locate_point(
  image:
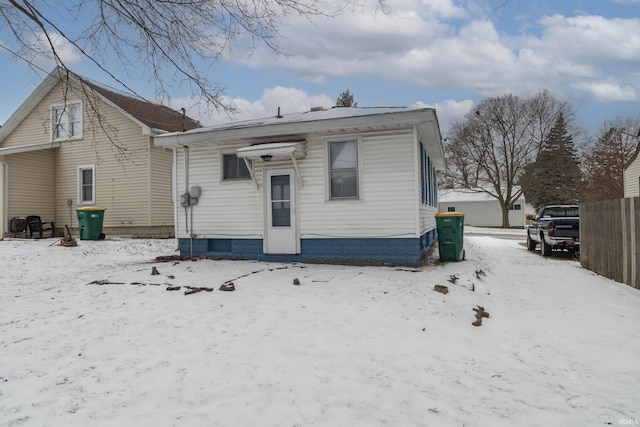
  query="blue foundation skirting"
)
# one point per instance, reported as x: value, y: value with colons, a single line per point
x: 369, y: 251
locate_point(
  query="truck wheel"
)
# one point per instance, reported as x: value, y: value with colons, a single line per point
x: 531, y: 244
x: 546, y: 248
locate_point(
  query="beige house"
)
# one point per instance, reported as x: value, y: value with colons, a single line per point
x: 74, y: 143
x: 632, y: 176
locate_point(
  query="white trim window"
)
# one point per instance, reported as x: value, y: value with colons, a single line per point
x: 234, y: 167
x: 343, y: 170
x: 66, y: 121
x: 86, y: 185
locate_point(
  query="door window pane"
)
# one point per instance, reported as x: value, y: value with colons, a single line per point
x: 280, y: 201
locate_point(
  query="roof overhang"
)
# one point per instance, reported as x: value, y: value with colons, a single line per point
x: 316, y: 122
x: 27, y: 148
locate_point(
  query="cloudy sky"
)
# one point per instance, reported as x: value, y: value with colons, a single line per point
x: 448, y: 54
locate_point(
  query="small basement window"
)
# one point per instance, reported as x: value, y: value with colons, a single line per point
x: 451, y: 209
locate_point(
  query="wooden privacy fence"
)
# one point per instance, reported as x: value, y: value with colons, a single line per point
x: 609, y: 239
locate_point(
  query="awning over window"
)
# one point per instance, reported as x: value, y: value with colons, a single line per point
x: 273, y: 151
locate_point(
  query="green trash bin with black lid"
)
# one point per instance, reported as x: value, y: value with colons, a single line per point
x: 90, y: 220
x: 450, y: 227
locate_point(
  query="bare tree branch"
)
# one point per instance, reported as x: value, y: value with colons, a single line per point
x: 490, y: 150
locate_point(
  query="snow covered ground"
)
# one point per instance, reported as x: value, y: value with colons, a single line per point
x: 349, y: 346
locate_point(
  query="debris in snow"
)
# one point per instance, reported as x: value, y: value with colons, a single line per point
x: 171, y: 276
x: 228, y: 287
x: 296, y: 282
x: 453, y: 279
x: 169, y: 258
x: 104, y: 282
x: 68, y: 240
x: 192, y: 290
x: 441, y: 288
x: 173, y: 288
x: 154, y: 271
x: 480, y: 313
x: 479, y: 273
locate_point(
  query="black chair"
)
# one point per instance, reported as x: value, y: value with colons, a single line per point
x: 35, y: 225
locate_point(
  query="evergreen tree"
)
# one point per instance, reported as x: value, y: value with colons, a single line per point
x: 491, y: 148
x: 346, y: 100
x: 556, y: 177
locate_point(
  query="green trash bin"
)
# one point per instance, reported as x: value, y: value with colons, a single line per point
x: 450, y: 226
x: 90, y: 221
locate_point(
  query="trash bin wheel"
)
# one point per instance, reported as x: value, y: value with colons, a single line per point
x: 101, y: 236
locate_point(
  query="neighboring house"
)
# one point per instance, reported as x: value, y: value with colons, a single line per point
x: 343, y: 185
x: 76, y: 143
x: 632, y: 176
x: 482, y: 210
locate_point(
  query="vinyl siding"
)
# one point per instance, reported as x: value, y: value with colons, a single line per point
x: 632, y: 179
x: 386, y: 207
x: 160, y: 181
x: 229, y: 208
x: 386, y: 204
x: 122, y: 185
x: 36, y: 127
x: 30, y: 187
x: 135, y: 190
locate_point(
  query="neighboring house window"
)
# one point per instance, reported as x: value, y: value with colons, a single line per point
x: 66, y: 121
x: 234, y: 167
x: 86, y: 185
x: 343, y: 169
x: 516, y: 207
x: 451, y: 209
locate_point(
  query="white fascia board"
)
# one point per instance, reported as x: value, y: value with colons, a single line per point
x: 209, y: 135
x: 27, y: 148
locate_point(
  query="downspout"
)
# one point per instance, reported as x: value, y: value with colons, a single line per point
x: 174, y: 189
x: 188, y: 216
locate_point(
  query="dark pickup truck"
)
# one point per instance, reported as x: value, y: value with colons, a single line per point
x: 555, y: 227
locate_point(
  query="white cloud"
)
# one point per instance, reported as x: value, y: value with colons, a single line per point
x: 607, y: 92
x: 292, y: 100
x: 289, y: 100
x: 449, y: 111
x: 438, y: 44
x: 41, y: 52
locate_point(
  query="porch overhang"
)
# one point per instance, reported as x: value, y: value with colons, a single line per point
x: 273, y: 150
x: 269, y: 151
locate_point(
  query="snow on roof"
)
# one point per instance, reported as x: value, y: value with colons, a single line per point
x: 313, y: 114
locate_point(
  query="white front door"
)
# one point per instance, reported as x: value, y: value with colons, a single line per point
x: 281, y: 222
